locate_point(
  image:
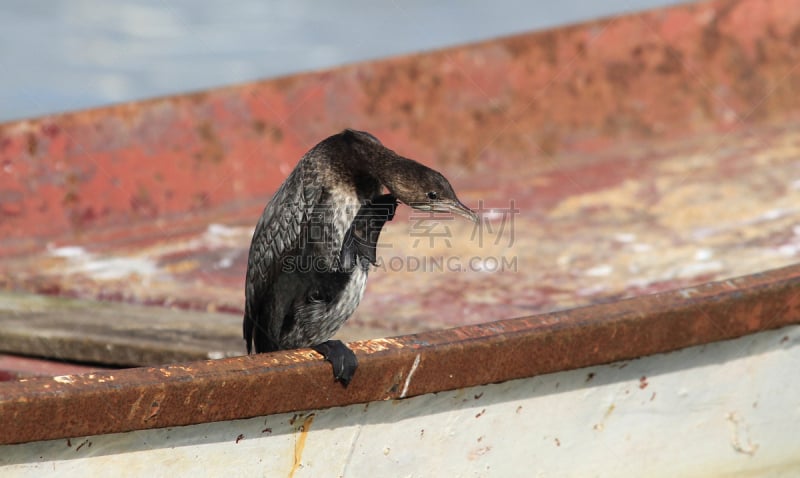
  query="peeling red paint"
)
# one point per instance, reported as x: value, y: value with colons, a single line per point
x: 126, y: 165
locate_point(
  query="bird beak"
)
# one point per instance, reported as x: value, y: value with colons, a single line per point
x: 455, y: 207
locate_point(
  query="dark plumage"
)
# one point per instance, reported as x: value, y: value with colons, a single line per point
x: 312, y: 246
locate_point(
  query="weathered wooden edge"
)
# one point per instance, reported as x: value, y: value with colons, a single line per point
x: 117, y: 401
x: 113, y: 333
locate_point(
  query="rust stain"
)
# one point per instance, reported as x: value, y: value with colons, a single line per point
x: 155, y: 407
x: 478, y: 452
x: 643, y: 382
x: 33, y: 144
x: 602, y: 425
x: 213, y: 150
x: 300, y: 443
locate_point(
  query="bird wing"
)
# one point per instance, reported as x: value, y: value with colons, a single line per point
x: 361, y: 238
x: 277, y: 236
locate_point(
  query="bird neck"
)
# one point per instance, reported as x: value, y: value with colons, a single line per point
x: 389, y: 167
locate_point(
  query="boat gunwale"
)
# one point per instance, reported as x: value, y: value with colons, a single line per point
x: 44, y: 408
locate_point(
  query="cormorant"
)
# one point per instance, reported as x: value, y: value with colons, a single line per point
x: 312, y: 246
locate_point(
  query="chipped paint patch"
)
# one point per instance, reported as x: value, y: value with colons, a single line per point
x: 788, y: 250
x: 740, y: 435
x: 600, y: 271
x: 698, y: 268
x: 410, y: 374
x: 108, y: 268
x: 67, y: 251
x: 82, y: 262
x: 376, y: 345
x: 625, y: 237
x: 703, y: 254
x: 214, y: 231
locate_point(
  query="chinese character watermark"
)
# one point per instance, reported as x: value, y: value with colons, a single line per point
x: 484, y: 225
x: 430, y: 225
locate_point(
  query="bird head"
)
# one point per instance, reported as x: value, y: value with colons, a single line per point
x: 412, y: 183
x: 425, y: 189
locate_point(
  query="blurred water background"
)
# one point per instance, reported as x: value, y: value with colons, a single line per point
x: 60, y: 55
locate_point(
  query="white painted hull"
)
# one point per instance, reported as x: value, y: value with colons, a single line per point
x: 724, y: 409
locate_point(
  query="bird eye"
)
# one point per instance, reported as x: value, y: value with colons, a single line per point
x: 432, y: 195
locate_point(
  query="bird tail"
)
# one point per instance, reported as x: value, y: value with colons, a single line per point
x: 247, y: 332
x: 256, y: 337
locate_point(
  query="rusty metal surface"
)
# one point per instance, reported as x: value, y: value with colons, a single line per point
x: 666, y: 215
x: 720, y: 409
x: 712, y: 66
x: 644, y: 153
x: 116, y: 401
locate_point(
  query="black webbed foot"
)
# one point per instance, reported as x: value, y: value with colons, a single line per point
x: 342, y: 358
